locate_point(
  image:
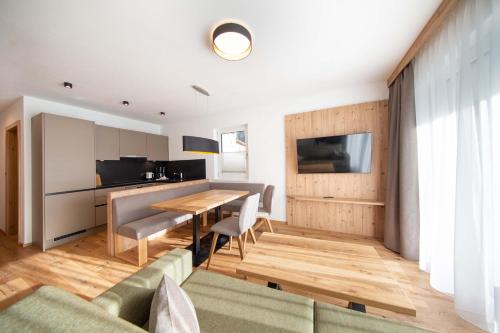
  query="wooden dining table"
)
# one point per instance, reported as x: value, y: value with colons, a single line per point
x: 197, y: 204
x: 352, y: 272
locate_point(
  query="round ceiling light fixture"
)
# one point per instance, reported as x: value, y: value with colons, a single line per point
x: 232, y: 41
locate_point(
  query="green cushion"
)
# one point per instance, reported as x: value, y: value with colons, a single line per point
x: 225, y: 304
x: 131, y: 298
x: 332, y: 319
x: 50, y: 309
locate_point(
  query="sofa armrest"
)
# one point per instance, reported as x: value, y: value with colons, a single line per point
x: 50, y: 309
x: 131, y: 298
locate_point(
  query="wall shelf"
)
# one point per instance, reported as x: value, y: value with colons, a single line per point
x: 352, y: 201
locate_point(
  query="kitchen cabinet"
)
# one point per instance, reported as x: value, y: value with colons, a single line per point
x: 107, y: 143
x: 63, y: 178
x: 101, y: 215
x: 68, y: 213
x: 157, y: 146
x: 69, y: 153
x: 133, y: 143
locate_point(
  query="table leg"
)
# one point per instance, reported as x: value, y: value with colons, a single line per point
x: 196, y: 235
x: 274, y: 285
x: 357, y: 307
x: 217, y: 214
x: 201, y: 246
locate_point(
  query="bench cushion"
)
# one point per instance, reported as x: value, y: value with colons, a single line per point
x: 135, y: 207
x: 332, y: 319
x: 51, y: 309
x: 225, y: 304
x: 233, y: 206
x: 152, y: 224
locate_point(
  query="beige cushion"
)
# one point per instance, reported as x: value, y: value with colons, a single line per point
x: 262, y: 215
x: 171, y: 310
x: 233, y: 206
x: 228, y: 226
x: 135, y: 207
x: 152, y: 224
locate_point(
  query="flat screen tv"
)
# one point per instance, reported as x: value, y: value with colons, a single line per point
x: 350, y: 153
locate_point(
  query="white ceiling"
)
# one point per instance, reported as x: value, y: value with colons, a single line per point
x: 151, y: 52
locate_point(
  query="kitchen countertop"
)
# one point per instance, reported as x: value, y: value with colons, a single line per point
x: 120, y: 184
x: 142, y: 182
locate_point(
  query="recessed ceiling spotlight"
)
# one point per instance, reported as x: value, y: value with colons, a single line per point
x: 162, y: 114
x: 68, y: 85
x: 125, y: 103
x: 232, y: 41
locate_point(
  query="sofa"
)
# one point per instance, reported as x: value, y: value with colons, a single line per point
x: 222, y: 303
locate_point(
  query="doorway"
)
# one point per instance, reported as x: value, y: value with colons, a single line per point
x: 12, y: 180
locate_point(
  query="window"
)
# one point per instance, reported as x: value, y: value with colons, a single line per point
x: 233, y: 163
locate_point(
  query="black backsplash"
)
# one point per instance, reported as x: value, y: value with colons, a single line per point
x: 191, y: 169
x: 134, y: 169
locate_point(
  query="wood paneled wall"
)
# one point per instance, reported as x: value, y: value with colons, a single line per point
x: 358, y: 219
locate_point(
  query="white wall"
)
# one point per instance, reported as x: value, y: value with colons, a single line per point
x: 33, y: 106
x: 266, y: 134
x: 8, y: 116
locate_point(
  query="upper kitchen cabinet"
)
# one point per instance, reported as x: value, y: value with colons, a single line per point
x: 107, y: 143
x: 157, y: 147
x: 69, y: 153
x: 133, y: 143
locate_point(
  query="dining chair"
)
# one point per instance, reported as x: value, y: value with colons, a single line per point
x: 263, y: 216
x: 264, y: 213
x: 236, y: 226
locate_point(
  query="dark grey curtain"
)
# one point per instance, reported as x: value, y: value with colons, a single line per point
x: 402, y: 223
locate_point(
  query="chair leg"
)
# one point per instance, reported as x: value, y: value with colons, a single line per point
x: 142, y: 251
x: 269, y: 226
x: 245, y: 240
x: 258, y: 224
x: 252, y: 234
x: 240, y: 246
x: 212, y: 248
x: 230, y: 242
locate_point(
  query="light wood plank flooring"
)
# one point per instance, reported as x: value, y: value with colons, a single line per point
x: 83, y: 267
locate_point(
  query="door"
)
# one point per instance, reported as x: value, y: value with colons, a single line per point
x: 69, y: 154
x: 12, y: 180
x: 233, y: 157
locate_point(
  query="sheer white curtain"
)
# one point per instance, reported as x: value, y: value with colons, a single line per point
x: 457, y: 95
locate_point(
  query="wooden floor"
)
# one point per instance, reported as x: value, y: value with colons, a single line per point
x: 83, y: 267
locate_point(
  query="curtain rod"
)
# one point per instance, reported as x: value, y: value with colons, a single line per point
x: 427, y: 32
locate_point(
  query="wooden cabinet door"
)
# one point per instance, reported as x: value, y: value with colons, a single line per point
x: 69, y: 154
x: 132, y: 143
x: 157, y: 147
x: 69, y: 212
x: 107, y: 143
